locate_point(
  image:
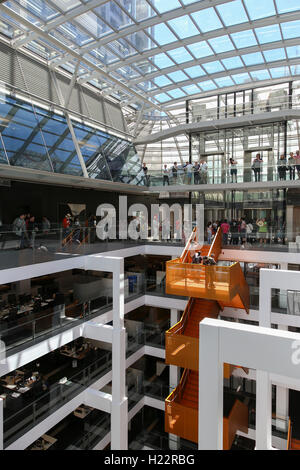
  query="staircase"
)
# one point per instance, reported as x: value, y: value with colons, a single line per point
x: 201, y: 308
x: 227, y: 287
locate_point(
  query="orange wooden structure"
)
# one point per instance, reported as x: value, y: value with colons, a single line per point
x: 211, y: 288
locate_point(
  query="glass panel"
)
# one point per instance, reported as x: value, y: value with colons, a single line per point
x: 180, y: 55
x: 260, y: 9
x: 184, y: 27
x: 221, y: 44
x: 232, y: 13
x: 200, y: 49
x: 207, y: 20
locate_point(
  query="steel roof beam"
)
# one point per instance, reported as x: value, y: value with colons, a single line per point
x: 75, y: 55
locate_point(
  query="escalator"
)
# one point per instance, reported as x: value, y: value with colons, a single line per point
x: 211, y: 289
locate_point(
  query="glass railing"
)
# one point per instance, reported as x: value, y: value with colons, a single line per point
x: 95, y: 429
x: 223, y: 175
x: 157, y: 440
x: 202, y: 112
x: 17, y: 424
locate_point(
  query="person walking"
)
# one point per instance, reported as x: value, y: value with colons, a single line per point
x: 166, y: 176
x: 292, y: 166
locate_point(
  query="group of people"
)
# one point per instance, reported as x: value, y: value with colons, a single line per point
x: 239, y: 231
x: 26, y: 228
x: 198, y: 169
x: 197, y: 172
x: 289, y: 166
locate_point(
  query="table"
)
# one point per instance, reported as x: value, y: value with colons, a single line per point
x: 44, y: 442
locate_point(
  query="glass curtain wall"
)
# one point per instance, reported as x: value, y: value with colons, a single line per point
x: 242, y: 144
x: 37, y: 138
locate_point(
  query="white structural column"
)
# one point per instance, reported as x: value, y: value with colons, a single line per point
x: 282, y: 400
x: 174, y: 441
x: 210, y: 426
x: 263, y: 420
x: 119, y: 412
x: 1, y: 424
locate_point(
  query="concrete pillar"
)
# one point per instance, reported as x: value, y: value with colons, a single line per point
x: 282, y: 400
x: 263, y: 411
x: 119, y: 414
x: 1, y: 424
x: 174, y: 441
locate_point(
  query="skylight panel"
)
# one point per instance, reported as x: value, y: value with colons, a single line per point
x: 162, y: 61
x: 139, y: 10
x: 284, y: 6
x: 188, y: 2
x: 293, y: 52
x: 241, y: 78
x: 244, y: 39
x: 38, y: 8
x: 221, y: 44
x: 232, y: 63
x: 200, y: 49
x: 275, y: 54
x: 195, y: 71
x: 207, y: 85
x: 140, y: 41
x: 253, y: 59
x: 165, y: 5
x: 295, y: 69
x: 224, y: 81
x: 260, y: 75
x: 177, y: 93
x: 279, y: 72
x: 207, y: 20
x: 183, y: 27
x: 180, y: 55
x: 232, y: 13
x: 162, y: 97
x: 112, y: 14
x: 73, y: 33
x: 291, y: 29
x: 162, y: 34
x: 191, y: 89
x: 260, y: 8
x: 213, y: 67
x: 178, y: 76
x: 162, y: 81
x: 93, y: 24
x: 268, y: 34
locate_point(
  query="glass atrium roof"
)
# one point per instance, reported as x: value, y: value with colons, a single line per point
x: 151, y: 53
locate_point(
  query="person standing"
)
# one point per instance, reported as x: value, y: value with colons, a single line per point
x: 19, y: 228
x: 66, y: 224
x: 256, y: 166
x: 243, y: 229
x: 262, y: 230
x: 196, y: 173
x: 249, y: 230
x: 225, y: 227
x: 189, y: 172
x: 234, y: 229
x: 297, y: 160
x: 233, y: 170
x: 46, y: 225
x: 209, y: 231
x: 204, y: 170
x: 292, y: 166
x: 146, y: 176
x: 174, y: 172
x: 281, y: 166
x: 166, y: 176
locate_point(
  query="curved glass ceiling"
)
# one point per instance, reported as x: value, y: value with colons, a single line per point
x: 158, y: 51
